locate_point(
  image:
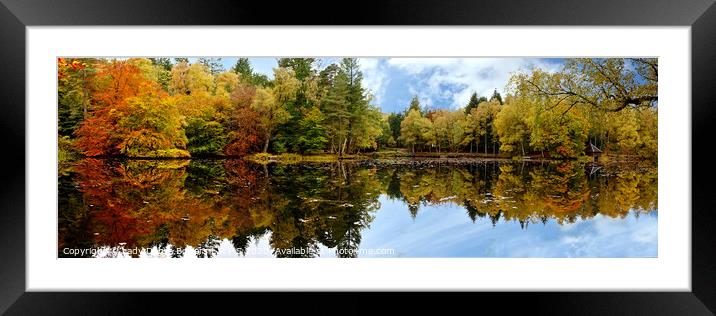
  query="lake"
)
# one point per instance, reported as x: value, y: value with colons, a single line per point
x: 371, y: 208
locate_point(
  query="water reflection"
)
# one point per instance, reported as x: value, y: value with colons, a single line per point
x: 217, y: 208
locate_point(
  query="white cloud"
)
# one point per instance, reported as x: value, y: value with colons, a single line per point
x: 464, y: 75
x: 375, y: 77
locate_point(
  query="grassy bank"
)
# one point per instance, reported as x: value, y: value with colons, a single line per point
x: 264, y: 158
x: 401, y: 153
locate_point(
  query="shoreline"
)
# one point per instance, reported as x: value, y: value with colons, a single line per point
x: 383, y: 157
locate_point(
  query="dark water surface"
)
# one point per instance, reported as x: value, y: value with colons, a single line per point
x: 425, y: 208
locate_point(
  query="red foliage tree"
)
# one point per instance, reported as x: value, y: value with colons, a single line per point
x: 245, y: 133
x: 245, y: 138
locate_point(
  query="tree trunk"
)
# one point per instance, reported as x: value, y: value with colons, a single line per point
x: 522, y: 144
x: 266, y: 144
x: 485, y: 143
x: 343, y: 170
x: 85, y: 99
x: 343, y: 147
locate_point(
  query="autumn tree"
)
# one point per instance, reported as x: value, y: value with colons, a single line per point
x: 442, y: 131
x: 244, y: 130
x: 611, y: 84
x: 470, y: 127
x: 386, y: 138
x: 416, y: 130
x: 115, y: 83
x: 447, y: 130
x: 226, y: 83
x: 191, y: 78
x: 512, y: 127
x: 484, y: 117
x: 270, y: 103
x: 152, y: 127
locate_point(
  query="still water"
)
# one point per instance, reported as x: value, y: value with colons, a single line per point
x: 400, y: 208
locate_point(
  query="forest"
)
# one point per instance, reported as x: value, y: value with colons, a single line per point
x: 174, y: 108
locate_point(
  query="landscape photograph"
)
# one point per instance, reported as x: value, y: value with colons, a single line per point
x: 357, y: 157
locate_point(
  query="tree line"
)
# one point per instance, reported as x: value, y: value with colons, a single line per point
x: 159, y: 107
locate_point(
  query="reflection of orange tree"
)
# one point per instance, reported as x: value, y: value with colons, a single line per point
x: 144, y: 203
x: 126, y: 200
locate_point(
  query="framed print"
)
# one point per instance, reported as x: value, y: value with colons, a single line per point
x: 524, y: 148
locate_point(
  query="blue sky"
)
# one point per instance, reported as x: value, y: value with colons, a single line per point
x: 438, y: 82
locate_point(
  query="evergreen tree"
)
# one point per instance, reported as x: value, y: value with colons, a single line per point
x: 164, y: 63
x: 302, y: 67
x: 415, y: 105
x: 214, y: 65
x: 394, y: 121
x: 496, y: 96
x: 337, y: 114
x: 474, y: 101
x: 243, y: 68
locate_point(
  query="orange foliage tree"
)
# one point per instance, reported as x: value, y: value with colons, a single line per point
x: 130, y: 108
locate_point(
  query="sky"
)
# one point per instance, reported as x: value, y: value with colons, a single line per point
x: 438, y: 82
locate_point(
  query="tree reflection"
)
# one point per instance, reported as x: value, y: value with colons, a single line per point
x: 171, y: 205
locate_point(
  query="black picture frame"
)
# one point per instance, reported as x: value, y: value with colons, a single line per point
x: 16, y: 15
